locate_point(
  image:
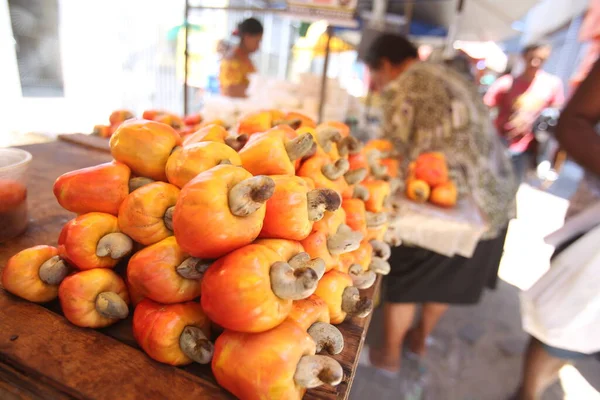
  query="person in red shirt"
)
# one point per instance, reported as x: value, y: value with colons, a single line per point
x: 520, y: 101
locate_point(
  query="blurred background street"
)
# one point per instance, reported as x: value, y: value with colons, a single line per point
x: 475, y: 352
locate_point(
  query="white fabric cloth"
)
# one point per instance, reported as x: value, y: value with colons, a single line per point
x: 562, y: 309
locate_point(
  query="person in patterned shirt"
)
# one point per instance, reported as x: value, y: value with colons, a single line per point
x: 431, y: 107
x: 236, y: 66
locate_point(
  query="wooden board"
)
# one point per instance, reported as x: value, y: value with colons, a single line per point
x: 90, y: 141
x: 42, y: 356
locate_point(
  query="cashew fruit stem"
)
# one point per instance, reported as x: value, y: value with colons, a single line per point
x: 168, y: 218
x: 381, y: 249
x: 327, y: 337
x: 249, y: 195
x: 355, y: 176
x: 327, y: 135
x: 375, y: 220
x: 344, y: 241
x: 379, y: 266
x: 311, y: 152
x: 377, y: 170
x: 321, y: 200
x: 361, y: 279
x: 299, y: 147
x: 293, y: 123
x: 111, y: 305
x: 115, y: 245
x: 194, y: 344
x: 136, y: 183
x: 193, y: 268
x: 314, y: 371
x: 303, y: 260
x: 361, y: 192
x: 53, y: 271
x: 355, y: 305
x: 238, y: 142
x: 349, y: 145
x: 292, y: 284
x: 395, y: 184
x: 335, y: 170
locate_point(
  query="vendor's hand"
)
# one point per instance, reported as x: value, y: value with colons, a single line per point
x: 518, y: 126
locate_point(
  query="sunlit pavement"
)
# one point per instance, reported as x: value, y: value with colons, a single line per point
x: 476, y: 352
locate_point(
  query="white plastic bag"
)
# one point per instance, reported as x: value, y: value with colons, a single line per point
x: 562, y: 309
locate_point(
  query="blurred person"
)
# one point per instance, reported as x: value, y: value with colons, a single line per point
x: 430, y: 107
x: 520, y: 101
x: 577, y: 133
x: 237, y: 66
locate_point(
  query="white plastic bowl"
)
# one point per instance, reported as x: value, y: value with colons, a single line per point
x: 14, y: 164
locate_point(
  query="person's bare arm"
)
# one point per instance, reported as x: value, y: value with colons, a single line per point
x: 576, y: 127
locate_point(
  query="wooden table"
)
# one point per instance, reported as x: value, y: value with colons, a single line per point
x: 42, y: 356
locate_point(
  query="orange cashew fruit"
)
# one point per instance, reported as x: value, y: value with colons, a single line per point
x: 100, y: 188
x: 295, y: 206
x: 327, y: 139
x: 104, y: 131
x: 94, y: 299
x: 174, y: 334
x: 285, y: 248
x: 259, y: 121
x: 431, y: 168
x: 220, y: 210
x: 379, y: 195
x: 187, y: 162
x: 298, y: 120
x: 174, y: 121
x: 444, y: 195
x: 329, y: 247
x: 35, y: 273
x: 276, y: 364
x: 325, y: 173
x: 356, y: 214
x: 93, y: 240
x: 275, y: 152
x: 164, y: 273
x: 342, y: 298
x: 294, y: 253
x: 146, y: 215
x: 117, y: 117
x: 193, y: 119
x: 417, y: 190
x: 312, y: 315
x: 216, y: 133
x: 144, y: 146
x: 251, y: 289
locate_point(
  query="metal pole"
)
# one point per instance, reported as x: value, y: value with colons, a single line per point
x: 185, y: 58
x: 449, y: 48
x: 379, y: 10
x: 408, y: 14
x: 324, y: 77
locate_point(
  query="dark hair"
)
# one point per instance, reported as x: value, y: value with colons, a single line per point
x: 250, y: 26
x: 535, y: 46
x: 395, y: 48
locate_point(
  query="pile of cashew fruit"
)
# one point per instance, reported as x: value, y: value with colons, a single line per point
x: 183, y: 125
x: 428, y: 180
x: 264, y: 237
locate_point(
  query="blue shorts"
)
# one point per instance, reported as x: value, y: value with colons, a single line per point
x: 565, y: 354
